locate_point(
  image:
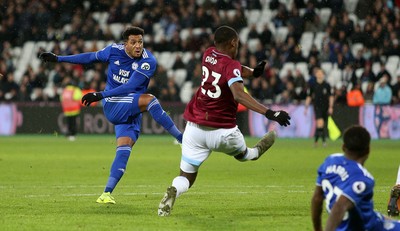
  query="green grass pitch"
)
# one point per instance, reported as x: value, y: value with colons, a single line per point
x: 49, y: 183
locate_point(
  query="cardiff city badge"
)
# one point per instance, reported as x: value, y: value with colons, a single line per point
x: 134, y: 66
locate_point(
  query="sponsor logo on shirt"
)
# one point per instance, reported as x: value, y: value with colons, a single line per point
x: 145, y: 66
x: 116, y: 62
x: 359, y: 187
x: 236, y: 72
x: 134, y: 66
x: 124, y: 73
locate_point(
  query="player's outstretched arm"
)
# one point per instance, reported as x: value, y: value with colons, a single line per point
x: 248, y: 72
x: 242, y: 97
x: 316, y: 208
x: 48, y: 57
x: 339, y: 209
x: 84, y: 58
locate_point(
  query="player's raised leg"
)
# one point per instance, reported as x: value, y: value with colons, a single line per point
x: 265, y: 143
x: 159, y: 115
x: 259, y: 149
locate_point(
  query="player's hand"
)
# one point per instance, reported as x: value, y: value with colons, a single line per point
x: 281, y: 117
x: 259, y: 69
x: 48, y: 57
x: 91, y: 97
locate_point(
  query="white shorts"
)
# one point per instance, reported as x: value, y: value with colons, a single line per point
x: 199, y: 141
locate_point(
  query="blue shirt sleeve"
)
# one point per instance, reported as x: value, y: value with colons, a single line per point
x: 137, y: 80
x: 104, y: 54
x: 89, y: 57
x: 83, y: 58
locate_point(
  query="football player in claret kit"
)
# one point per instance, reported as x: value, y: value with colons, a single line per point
x: 211, y: 115
x: 130, y: 67
x: 347, y: 188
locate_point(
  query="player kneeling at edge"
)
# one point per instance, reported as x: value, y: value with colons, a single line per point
x: 211, y: 115
x: 347, y: 188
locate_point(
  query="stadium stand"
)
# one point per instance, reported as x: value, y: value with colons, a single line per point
x: 268, y: 29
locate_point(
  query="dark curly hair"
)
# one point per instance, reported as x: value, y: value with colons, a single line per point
x: 357, y: 139
x: 132, y: 30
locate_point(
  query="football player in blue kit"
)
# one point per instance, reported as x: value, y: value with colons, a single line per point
x: 124, y: 99
x: 347, y: 188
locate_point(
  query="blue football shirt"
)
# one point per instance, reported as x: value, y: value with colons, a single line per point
x: 123, y: 69
x: 341, y: 176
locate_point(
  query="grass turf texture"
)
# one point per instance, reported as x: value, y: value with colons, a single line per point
x: 49, y: 183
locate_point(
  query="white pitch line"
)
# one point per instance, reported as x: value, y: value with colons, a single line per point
x: 149, y: 186
x: 279, y: 189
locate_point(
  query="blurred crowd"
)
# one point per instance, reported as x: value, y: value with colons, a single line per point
x: 375, y: 24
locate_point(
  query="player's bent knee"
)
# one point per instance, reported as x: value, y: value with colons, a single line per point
x: 188, y: 168
x: 125, y: 141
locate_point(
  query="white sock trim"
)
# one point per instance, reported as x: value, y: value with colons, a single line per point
x: 181, y: 184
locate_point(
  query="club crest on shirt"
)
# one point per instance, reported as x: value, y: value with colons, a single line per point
x: 134, y: 66
x: 145, y: 66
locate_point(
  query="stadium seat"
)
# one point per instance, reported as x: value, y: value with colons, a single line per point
x: 243, y: 34
x: 392, y: 66
x: 266, y: 16
x: 23, y: 62
x: 281, y: 33
x: 306, y: 42
x: 376, y: 67
x: 252, y: 16
x: 229, y: 13
x: 180, y: 76
x: 327, y: 67
x: 353, y: 18
x: 364, y: 86
x: 116, y: 30
x: 334, y: 77
x: 101, y: 44
x: 303, y: 68
x: 253, y: 44
x: 186, y: 92
x: 167, y: 59
x: 393, y: 60
x: 286, y: 67
x: 159, y: 36
x: 356, y: 47
x: 184, y: 34
x: 138, y: 16
x: 351, y: 5
x: 318, y: 39
x: 325, y: 14
x: 359, y: 72
x: 88, y: 44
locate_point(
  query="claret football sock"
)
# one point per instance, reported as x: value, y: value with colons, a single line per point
x: 162, y: 118
x: 118, y: 167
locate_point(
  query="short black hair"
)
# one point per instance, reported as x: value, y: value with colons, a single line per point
x: 132, y: 30
x: 224, y: 34
x: 357, y: 139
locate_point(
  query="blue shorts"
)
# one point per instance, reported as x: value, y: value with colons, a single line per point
x: 125, y: 114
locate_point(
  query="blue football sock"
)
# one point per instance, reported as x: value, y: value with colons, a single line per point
x: 162, y: 118
x: 118, y: 167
